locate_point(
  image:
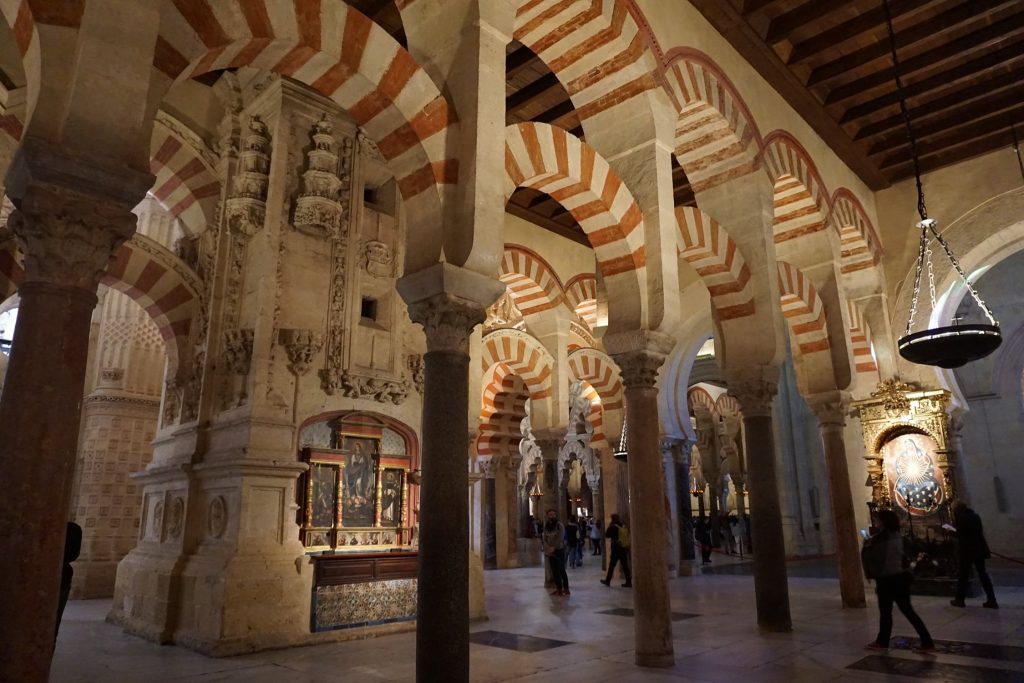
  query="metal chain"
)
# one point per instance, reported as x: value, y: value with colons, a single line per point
x: 931, y: 274
x: 956, y: 264
x: 921, y: 248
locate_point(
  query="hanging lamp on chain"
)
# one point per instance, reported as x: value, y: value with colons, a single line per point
x: 622, y: 452
x: 948, y: 346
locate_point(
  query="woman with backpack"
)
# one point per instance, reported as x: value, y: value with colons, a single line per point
x: 618, y: 534
x: 883, y: 561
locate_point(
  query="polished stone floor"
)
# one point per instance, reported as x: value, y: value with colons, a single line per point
x: 587, y: 637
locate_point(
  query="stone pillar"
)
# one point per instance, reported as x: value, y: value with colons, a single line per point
x: 448, y: 302
x: 70, y: 220
x: 668, y: 465
x: 770, y: 584
x: 687, y: 551
x: 830, y: 410
x: 652, y: 623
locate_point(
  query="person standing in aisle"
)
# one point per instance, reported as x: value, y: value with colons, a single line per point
x: 972, y: 551
x: 618, y: 535
x: 554, y: 549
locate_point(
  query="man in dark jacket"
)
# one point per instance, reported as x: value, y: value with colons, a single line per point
x: 972, y: 550
x: 618, y: 536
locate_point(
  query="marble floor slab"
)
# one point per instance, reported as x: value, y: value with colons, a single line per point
x: 594, y: 629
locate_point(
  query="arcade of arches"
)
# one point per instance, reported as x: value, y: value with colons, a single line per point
x: 306, y: 326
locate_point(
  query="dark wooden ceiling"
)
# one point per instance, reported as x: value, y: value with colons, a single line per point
x: 962, y: 65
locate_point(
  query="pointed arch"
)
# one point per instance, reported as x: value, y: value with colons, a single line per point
x: 553, y: 161
x: 803, y: 309
x: 346, y: 57
x: 706, y: 246
x: 531, y: 279
x: 716, y: 137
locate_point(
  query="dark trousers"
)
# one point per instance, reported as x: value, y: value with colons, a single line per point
x: 558, y: 575
x: 896, y: 589
x: 619, y: 555
x: 965, y: 575
x: 705, y: 552
x: 595, y: 546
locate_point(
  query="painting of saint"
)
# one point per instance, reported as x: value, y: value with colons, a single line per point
x: 360, y: 483
x: 391, y: 497
x: 325, y: 490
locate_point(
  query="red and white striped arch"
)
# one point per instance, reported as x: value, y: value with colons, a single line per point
x: 147, y: 272
x: 803, y: 309
x: 706, y: 246
x: 185, y: 184
x: 697, y: 398
x: 595, y: 48
x: 581, y: 293
x: 533, y: 283
x: 22, y: 21
x: 551, y: 160
x: 522, y: 355
x: 504, y: 409
x: 338, y: 52
x: 728, y: 405
x: 860, y: 245
x: 801, y: 201
x: 716, y: 137
x: 860, y: 341
x: 599, y: 371
x: 598, y: 440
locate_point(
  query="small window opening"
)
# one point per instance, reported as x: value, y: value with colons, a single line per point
x: 370, y: 195
x: 368, y: 311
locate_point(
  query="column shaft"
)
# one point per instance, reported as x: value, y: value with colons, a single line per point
x: 851, y: 585
x: 442, y: 629
x: 39, y: 417
x: 770, y: 584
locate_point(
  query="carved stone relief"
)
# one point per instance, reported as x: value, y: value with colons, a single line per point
x: 504, y: 313
x: 301, y: 347
x: 322, y: 207
x: 247, y: 205
x: 217, y: 517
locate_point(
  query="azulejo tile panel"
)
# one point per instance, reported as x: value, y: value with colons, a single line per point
x: 363, y: 604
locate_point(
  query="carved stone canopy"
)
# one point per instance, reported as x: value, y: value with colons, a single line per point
x: 301, y: 346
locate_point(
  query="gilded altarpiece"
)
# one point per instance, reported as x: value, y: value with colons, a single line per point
x: 906, y: 434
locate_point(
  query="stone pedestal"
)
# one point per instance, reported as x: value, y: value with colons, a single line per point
x: 831, y: 413
x: 652, y: 623
x: 770, y: 583
x: 68, y: 236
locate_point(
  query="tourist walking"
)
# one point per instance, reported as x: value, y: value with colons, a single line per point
x: 884, y: 562
x: 972, y: 551
x: 72, y: 549
x: 703, y: 535
x: 553, y: 539
x: 572, y: 540
x: 595, y: 537
x: 618, y: 534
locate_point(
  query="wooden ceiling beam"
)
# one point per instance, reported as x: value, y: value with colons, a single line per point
x: 848, y: 30
x: 372, y: 8
x: 952, y: 155
x: 960, y: 98
x: 1009, y: 99
x: 517, y: 60
x: 724, y: 17
x: 782, y: 26
x: 751, y: 6
x: 931, y: 28
x: 960, y: 136
x: 574, y: 233
x: 532, y: 92
x: 955, y: 51
x: 1000, y: 59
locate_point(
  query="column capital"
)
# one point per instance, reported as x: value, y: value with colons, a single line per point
x: 72, y: 213
x: 639, y: 354
x: 448, y: 302
x: 830, y: 407
x: 755, y: 389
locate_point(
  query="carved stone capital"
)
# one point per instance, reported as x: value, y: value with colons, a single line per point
x: 831, y: 408
x: 301, y: 346
x: 237, y: 351
x: 447, y: 321
x: 69, y: 237
x: 755, y: 395
x: 639, y: 368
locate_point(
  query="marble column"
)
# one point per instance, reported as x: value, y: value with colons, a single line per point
x: 549, y: 485
x: 770, y: 584
x: 448, y: 302
x: 687, y: 551
x: 668, y: 463
x: 68, y: 236
x: 830, y: 409
x: 652, y: 623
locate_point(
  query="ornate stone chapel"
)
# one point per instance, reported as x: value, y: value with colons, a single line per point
x: 308, y: 308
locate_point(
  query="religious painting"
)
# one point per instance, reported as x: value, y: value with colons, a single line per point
x: 915, y: 480
x: 325, y: 492
x: 391, y: 497
x: 360, y: 481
